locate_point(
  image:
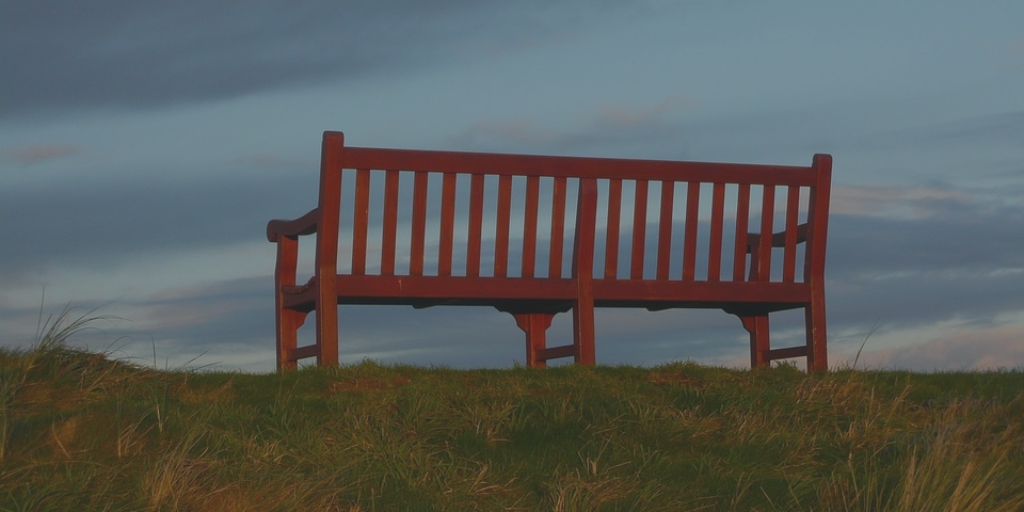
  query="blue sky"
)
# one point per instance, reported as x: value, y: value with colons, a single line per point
x: 144, y: 146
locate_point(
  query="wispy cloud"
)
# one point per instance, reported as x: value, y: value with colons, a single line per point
x: 113, y: 53
x: 1014, y: 55
x: 625, y: 117
x: 35, y: 154
x: 603, y: 126
x: 984, y: 349
x: 104, y: 224
x: 276, y: 161
x: 895, y: 201
x: 510, y: 133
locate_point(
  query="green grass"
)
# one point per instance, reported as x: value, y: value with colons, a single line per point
x: 81, y: 431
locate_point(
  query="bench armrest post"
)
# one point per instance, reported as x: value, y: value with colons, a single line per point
x: 583, y: 272
x: 814, y: 269
x: 287, y: 321
x: 331, y: 164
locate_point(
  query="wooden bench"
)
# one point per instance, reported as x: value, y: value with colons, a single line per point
x: 539, y: 235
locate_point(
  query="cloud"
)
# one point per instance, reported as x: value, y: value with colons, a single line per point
x: 103, y: 224
x: 117, y: 53
x: 894, y: 201
x: 956, y: 238
x: 272, y: 161
x: 636, y: 127
x: 36, y: 154
x: 1001, y: 347
x: 1013, y: 55
x: 1002, y: 128
x: 513, y: 133
x: 917, y: 256
x: 626, y: 118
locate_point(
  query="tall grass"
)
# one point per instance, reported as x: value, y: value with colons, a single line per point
x: 84, y: 432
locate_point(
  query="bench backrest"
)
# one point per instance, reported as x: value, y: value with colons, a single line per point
x: 411, y: 212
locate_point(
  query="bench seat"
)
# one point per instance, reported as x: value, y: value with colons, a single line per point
x: 423, y: 291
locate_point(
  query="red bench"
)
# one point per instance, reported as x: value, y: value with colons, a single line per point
x: 426, y: 228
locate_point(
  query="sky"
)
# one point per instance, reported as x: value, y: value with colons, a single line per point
x: 145, y: 145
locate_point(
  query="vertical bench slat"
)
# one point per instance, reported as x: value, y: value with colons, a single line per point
x: 611, y: 243
x: 360, y: 221
x: 639, y: 230
x: 742, y: 223
x: 792, y: 221
x: 530, y: 226
x: 444, y: 251
x: 717, y: 221
x: 690, y: 237
x: 558, y: 191
x: 419, y: 223
x: 665, y: 229
x: 501, y: 229
x: 390, y: 228
x: 764, y: 250
x: 476, y: 223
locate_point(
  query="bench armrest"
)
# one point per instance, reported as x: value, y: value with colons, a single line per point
x: 778, y: 239
x: 305, y: 225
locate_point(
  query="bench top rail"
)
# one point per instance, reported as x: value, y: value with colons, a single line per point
x: 574, y: 167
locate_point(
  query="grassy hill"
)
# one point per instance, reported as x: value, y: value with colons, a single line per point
x: 79, y: 431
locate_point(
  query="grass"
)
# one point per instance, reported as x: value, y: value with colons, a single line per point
x: 81, y: 431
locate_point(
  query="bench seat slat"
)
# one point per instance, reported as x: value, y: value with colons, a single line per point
x: 415, y: 290
x: 636, y: 293
x: 495, y: 289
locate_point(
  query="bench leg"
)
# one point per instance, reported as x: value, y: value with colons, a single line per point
x: 287, y: 338
x: 757, y: 326
x: 327, y: 334
x: 288, y: 323
x: 535, y: 325
x: 817, y: 352
x: 583, y: 324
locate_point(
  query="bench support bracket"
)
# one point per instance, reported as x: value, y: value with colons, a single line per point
x: 535, y: 325
x: 761, y: 353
